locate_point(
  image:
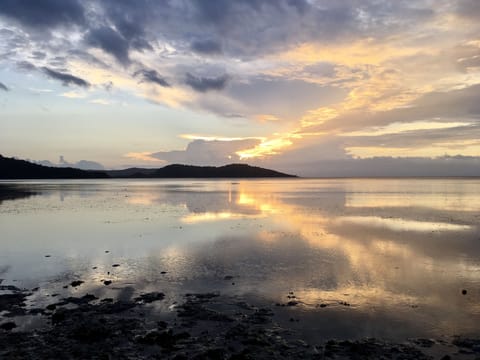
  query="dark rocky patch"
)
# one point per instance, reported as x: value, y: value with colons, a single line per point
x: 426, y: 343
x: 76, y: 283
x: 195, y: 310
x: 211, y: 326
x: 13, y: 304
x: 467, y: 343
x: 166, y: 339
x: 9, y: 288
x: 150, y: 297
x: 8, y: 326
x: 371, y: 349
x: 85, y: 299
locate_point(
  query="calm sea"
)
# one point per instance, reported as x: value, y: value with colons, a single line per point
x: 363, y: 257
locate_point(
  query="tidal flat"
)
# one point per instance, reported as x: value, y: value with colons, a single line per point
x: 278, y: 268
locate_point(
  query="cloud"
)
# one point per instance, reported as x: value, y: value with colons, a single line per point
x: 3, y: 87
x: 111, y: 42
x: 388, y: 167
x: 151, y: 76
x: 45, y: 14
x: 206, y: 47
x: 204, y: 84
x: 82, y: 164
x: 320, y: 67
x: 206, y: 152
x: 283, y: 98
x: 468, y: 9
x: 100, y: 102
x: 25, y: 66
x: 74, y: 95
x: 38, y: 55
x: 66, y: 79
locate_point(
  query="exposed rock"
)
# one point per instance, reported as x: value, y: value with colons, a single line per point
x: 150, y: 297
x: 8, y: 326
x: 166, y: 339
x: 13, y: 303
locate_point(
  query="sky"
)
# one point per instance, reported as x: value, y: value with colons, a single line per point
x: 311, y: 87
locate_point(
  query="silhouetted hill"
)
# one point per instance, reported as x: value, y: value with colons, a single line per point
x: 227, y: 171
x: 20, y: 169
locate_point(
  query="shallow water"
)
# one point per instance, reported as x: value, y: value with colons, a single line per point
x: 363, y: 257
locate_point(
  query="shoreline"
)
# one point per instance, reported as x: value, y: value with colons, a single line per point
x: 203, y: 325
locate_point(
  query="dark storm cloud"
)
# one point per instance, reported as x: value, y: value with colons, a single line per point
x: 129, y: 21
x: 206, y: 47
x: 204, y: 84
x: 111, y: 42
x: 44, y: 14
x: 3, y: 87
x: 241, y: 28
x: 66, y: 79
x: 151, y: 76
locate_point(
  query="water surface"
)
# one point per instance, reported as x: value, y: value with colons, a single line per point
x: 363, y: 257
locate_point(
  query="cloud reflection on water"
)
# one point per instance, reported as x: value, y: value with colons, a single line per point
x: 390, y: 258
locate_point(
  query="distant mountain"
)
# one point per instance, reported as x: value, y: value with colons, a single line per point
x: 20, y: 169
x: 227, y: 171
x: 191, y: 171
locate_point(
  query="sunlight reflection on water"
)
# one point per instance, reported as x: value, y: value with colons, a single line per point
x: 373, y: 252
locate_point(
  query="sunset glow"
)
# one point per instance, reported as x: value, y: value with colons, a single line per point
x: 336, y: 81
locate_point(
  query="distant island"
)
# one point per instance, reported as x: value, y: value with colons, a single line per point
x: 11, y: 168
x: 20, y: 169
